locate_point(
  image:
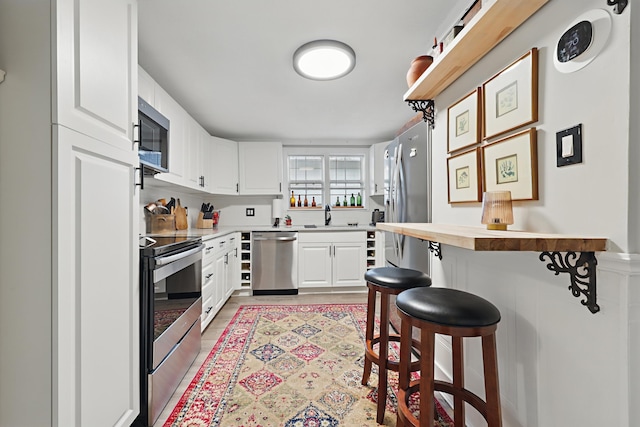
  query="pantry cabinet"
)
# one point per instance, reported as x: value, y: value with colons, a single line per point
x: 260, y: 168
x: 76, y: 354
x: 331, y: 259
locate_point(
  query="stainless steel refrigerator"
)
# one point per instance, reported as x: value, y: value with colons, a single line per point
x: 408, y: 198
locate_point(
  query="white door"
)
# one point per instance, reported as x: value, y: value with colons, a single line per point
x: 96, y: 291
x: 225, y: 166
x: 260, y: 168
x: 349, y: 264
x: 97, y: 68
x: 314, y: 265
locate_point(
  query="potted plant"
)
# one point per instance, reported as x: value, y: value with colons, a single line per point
x: 287, y: 221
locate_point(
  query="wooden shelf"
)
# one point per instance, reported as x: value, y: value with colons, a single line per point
x: 481, y: 239
x: 490, y: 26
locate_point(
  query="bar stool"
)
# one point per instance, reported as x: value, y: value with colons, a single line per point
x: 386, y: 281
x: 457, y: 314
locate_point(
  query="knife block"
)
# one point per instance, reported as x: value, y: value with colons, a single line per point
x: 203, y: 223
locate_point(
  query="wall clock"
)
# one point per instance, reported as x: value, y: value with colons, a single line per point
x: 582, y: 41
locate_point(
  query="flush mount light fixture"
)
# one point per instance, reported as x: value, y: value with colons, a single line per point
x: 324, y: 60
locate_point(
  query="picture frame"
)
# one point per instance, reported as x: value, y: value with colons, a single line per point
x: 464, y: 177
x: 511, y: 164
x: 463, y: 122
x: 510, y: 98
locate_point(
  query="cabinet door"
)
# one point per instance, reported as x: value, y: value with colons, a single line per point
x: 220, y: 271
x: 146, y: 87
x: 225, y: 166
x: 96, y: 290
x: 194, y: 154
x: 97, y: 68
x: 178, y: 133
x: 376, y: 168
x: 314, y: 265
x: 260, y: 167
x: 349, y: 264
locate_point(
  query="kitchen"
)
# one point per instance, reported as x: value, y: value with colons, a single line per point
x: 562, y: 365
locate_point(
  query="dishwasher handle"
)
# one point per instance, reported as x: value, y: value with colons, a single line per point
x: 280, y: 239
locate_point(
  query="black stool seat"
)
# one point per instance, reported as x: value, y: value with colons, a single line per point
x: 446, y: 306
x: 397, y: 278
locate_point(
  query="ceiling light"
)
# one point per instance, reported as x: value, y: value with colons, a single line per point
x: 324, y: 60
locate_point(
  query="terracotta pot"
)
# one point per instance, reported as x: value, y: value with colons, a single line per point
x: 418, y: 66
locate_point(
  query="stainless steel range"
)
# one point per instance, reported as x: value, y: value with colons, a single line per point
x: 170, y: 308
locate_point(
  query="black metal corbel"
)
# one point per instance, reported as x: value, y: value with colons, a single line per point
x: 427, y: 107
x: 435, y: 248
x: 618, y: 5
x: 582, y: 270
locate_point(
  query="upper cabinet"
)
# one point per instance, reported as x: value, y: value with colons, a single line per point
x: 146, y: 87
x: 96, y: 75
x: 224, y: 162
x: 178, y: 130
x: 260, y: 168
x: 376, y: 168
x: 495, y: 21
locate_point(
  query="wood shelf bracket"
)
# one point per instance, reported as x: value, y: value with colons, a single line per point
x: 582, y: 271
x: 426, y: 107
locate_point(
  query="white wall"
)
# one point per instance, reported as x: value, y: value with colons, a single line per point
x: 560, y: 365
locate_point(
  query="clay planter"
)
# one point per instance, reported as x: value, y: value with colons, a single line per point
x: 418, y: 66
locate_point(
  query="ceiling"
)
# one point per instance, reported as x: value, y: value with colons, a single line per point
x: 229, y: 64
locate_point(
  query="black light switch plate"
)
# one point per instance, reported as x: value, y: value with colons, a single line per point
x: 250, y: 212
x: 575, y: 133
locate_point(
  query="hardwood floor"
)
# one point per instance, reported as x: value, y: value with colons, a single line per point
x: 220, y: 321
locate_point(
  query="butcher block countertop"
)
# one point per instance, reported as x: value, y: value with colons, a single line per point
x: 481, y: 239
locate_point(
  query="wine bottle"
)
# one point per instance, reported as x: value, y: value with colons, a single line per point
x: 352, y: 200
x: 299, y: 201
x: 359, y: 200
x: 306, y: 202
x: 344, y: 202
x: 338, y: 201
x: 313, y: 202
x: 292, y: 200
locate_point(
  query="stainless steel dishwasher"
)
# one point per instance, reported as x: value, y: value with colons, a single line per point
x: 275, y: 263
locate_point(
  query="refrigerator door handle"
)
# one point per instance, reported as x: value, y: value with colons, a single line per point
x: 397, y: 211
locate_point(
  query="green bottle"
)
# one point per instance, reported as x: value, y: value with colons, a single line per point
x: 344, y: 202
x: 338, y: 201
x: 359, y: 200
x: 353, y: 200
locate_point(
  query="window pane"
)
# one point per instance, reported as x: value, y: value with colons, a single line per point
x: 347, y: 179
x: 306, y: 179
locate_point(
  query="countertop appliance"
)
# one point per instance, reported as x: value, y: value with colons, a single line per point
x: 377, y: 216
x: 274, y: 263
x: 408, y: 198
x: 153, y: 137
x: 170, y: 309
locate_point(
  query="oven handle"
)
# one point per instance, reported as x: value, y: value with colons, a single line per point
x: 171, y: 258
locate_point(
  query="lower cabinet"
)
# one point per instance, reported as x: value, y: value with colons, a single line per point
x: 220, y: 274
x: 331, y: 259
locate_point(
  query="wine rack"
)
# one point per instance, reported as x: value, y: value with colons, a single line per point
x: 245, y: 260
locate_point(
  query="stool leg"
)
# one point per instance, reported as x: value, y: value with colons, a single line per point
x: 383, y: 353
x: 404, y: 368
x: 427, y: 353
x: 491, y: 385
x: 458, y: 381
x: 368, y: 335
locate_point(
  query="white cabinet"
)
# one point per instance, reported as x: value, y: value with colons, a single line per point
x: 96, y: 75
x: 70, y: 303
x: 375, y: 249
x: 220, y: 274
x: 331, y: 259
x: 377, y: 156
x: 178, y: 133
x: 146, y: 87
x: 260, y: 168
x: 224, y: 162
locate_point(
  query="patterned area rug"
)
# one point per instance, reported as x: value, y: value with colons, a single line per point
x: 292, y: 366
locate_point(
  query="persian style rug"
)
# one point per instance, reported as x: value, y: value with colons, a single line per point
x: 292, y: 366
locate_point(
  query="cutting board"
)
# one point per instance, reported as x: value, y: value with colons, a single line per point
x: 181, y: 217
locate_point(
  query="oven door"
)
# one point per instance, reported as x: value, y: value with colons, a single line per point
x: 176, y: 300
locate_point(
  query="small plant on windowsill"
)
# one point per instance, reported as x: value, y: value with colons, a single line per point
x: 287, y: 221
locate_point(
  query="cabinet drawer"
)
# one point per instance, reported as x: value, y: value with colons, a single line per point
x: 332, y: 236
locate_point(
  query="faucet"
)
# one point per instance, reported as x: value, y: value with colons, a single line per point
x: 327, y: 215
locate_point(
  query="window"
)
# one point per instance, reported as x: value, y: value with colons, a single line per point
x: 325, y: 178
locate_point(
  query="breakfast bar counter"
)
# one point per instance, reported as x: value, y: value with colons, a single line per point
x: 570, y: 254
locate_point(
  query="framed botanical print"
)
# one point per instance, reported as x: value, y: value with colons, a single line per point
x: 510, y: 98
x: 463, y: 171
x: 511, y: 164
x: 463, y: 122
